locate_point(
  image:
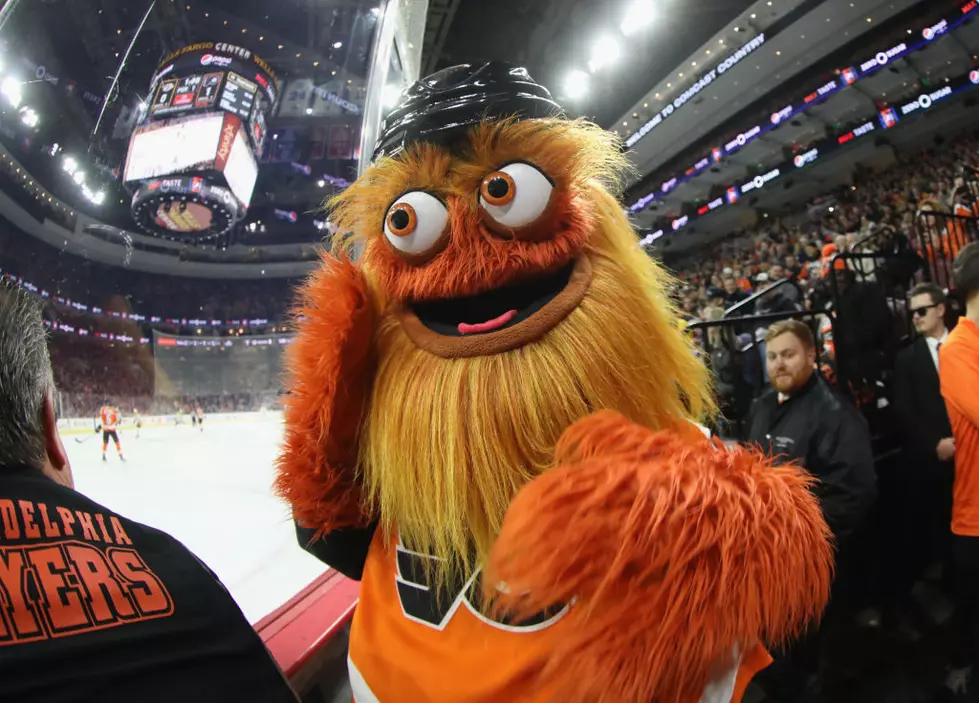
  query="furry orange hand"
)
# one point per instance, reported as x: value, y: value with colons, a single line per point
x: 674, y: 551
x: 331, y: 367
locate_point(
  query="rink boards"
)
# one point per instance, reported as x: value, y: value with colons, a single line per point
x: 81, y: 425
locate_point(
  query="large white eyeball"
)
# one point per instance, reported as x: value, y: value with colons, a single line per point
x: 516, y: 195
x: 415, y: 222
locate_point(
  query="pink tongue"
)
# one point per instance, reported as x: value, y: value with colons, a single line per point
x: 488, y: 326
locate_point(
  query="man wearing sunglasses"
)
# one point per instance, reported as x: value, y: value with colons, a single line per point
x: 959, y: 360
x: 921, y: 485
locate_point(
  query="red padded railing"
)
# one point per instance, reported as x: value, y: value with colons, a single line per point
x: 304, y: 625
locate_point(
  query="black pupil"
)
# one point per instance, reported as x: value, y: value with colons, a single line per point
x: 498, y: 187
x: 400, y: 219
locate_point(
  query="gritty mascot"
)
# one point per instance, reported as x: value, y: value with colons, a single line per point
x: 490, y: 425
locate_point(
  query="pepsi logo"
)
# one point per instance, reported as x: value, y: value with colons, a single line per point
x: 211, y: 59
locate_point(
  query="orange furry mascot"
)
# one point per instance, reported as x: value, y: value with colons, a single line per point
x: 490, y: 425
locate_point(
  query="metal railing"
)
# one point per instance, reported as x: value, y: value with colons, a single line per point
x: 939, y: 237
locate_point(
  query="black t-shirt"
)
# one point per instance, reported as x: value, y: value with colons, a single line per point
x: 95, y: 607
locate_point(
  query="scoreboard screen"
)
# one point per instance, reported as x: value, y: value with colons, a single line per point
x: 193, y: 157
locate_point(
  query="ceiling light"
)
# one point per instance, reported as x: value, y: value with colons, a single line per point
x: 11, y: 90
x: 375, y: 11
x: 637, y: 17
x: 316, y: 63
x: 338, y: 45
x: 261, y: 37
x: 645, y: 104
x: 244, y: 29
x: 575, y: 84
x: 669, y: 85
x: 69, y: 164
x: 99, y: 198
x: 321, y: 183
x: 30, y: 118
x: 309, y: 111
x: 870, y: 19
x: 280, y: 47
x: 604, y: 52
x: 79, y: 177
x: 693, y: 63
x: 753, y: 15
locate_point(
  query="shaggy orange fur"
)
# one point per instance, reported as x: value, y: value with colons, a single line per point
x: 674, y: 553
x: 570, y: 153
x: 673, y: 550
x: 331, y: 369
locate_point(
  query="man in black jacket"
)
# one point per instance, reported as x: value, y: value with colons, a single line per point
x: 922, y: 487
x: 801, y: 419
x: 96, y: 607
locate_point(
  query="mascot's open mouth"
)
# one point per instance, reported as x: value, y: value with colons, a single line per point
x: 495, y: 309
x: 497, y: 320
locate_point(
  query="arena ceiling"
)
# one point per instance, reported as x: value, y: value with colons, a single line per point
x: 84, y: 69
x: 553, y: 37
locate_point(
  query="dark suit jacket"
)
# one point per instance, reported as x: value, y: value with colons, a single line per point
x: 918, y: 401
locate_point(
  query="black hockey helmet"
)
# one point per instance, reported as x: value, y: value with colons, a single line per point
x: 442, y: 106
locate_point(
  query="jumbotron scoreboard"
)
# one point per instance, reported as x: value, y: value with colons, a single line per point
x: 193, y: 157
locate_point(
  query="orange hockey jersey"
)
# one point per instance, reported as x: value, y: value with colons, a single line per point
x: 109, y: 418
x: 406, y: 645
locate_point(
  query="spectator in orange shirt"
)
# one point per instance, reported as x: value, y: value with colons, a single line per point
x: 958, y: 367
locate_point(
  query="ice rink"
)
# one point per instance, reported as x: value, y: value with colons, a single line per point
x: 212, y: 491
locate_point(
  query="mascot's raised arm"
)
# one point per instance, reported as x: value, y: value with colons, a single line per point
x: 490, y: 424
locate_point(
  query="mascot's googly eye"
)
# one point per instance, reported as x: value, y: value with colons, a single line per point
x: 516, y: 195
x: 415, y: 223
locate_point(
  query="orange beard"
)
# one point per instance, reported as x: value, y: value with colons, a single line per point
x: 447, y: 443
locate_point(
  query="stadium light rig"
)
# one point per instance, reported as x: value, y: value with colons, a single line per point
x: 576, y: 84
x: 639, y: 15
x: 605, y: 52
x: 11, y: 89
x: 30, y: 117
